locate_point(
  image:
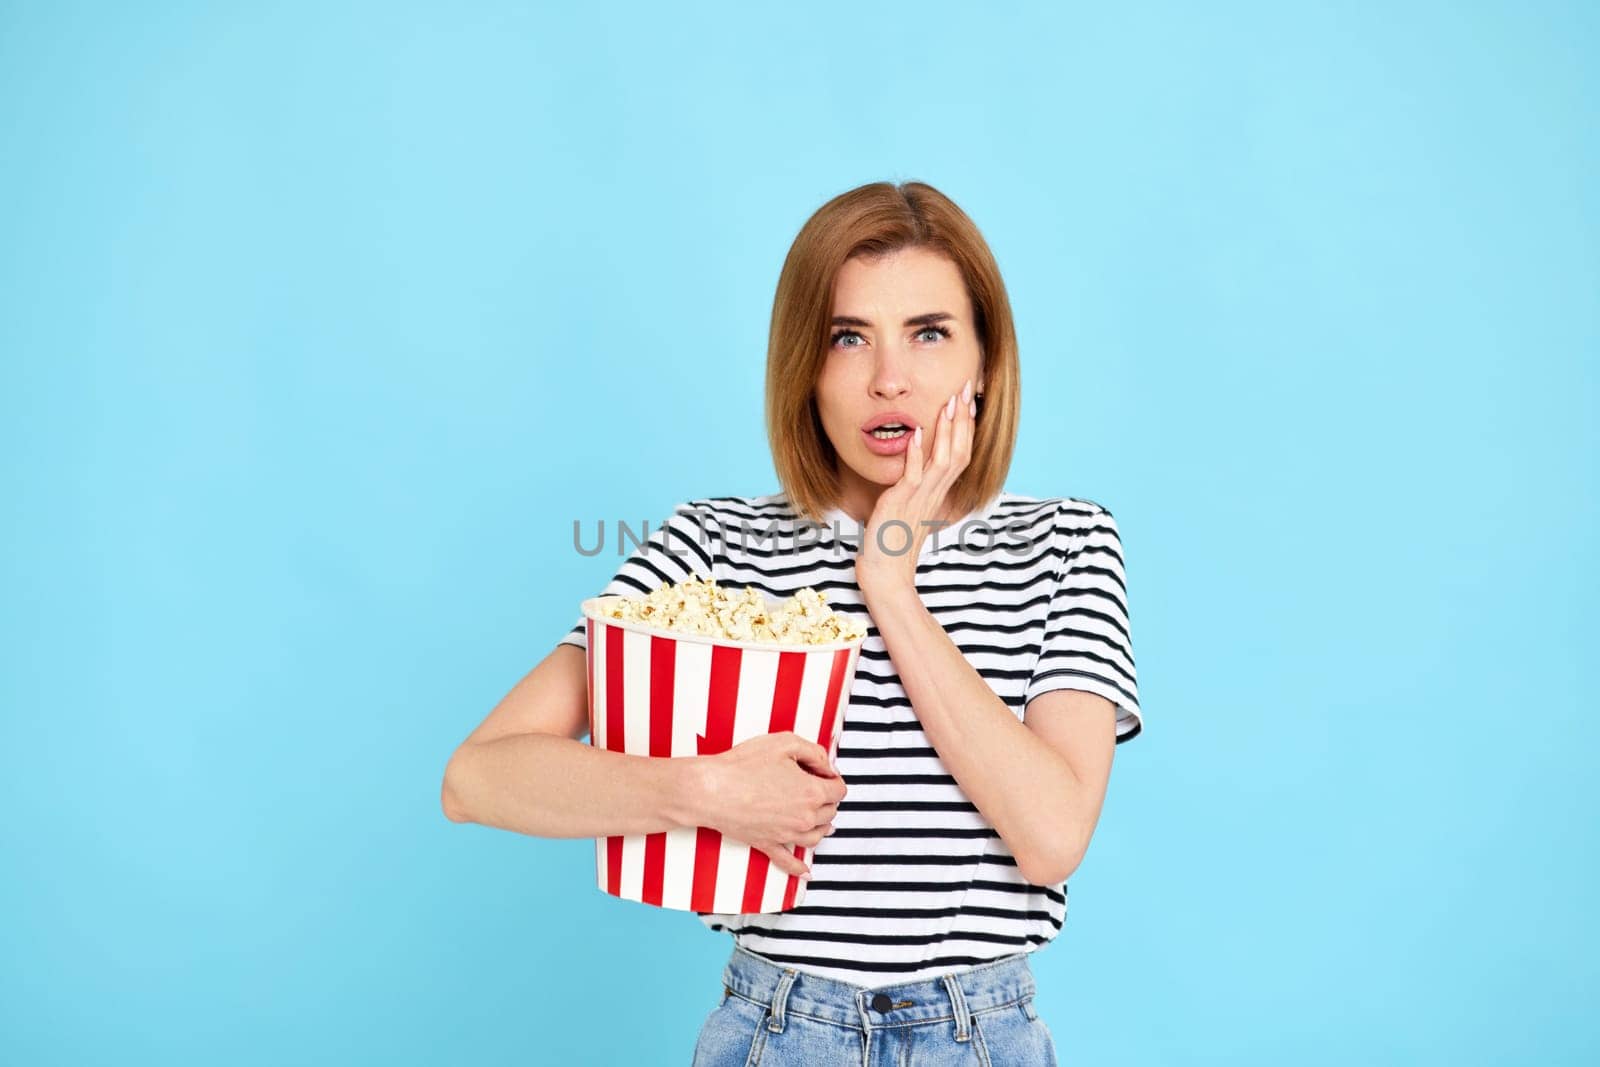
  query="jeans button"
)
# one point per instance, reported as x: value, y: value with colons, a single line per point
x: 881, y: 1002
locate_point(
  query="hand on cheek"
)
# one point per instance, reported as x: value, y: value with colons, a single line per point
x: 906, y: 511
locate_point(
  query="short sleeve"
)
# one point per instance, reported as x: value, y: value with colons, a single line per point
x: 682, y: 546
x: 1087, y: 644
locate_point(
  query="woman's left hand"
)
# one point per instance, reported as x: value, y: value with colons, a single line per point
x: 910, y: 507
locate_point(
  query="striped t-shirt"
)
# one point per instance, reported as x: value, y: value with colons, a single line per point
x: 914, y: 882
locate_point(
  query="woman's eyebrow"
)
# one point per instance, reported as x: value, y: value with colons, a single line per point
x: 918, y: 320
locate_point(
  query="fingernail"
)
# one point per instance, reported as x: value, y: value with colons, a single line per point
x: 950, y: 408
x: 972, y: 407
x: 919, y: 435
x: 966, y: 391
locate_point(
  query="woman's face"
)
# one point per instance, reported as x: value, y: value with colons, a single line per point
x: 902, y: 341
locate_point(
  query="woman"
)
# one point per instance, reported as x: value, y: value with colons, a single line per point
x: 996, y: 677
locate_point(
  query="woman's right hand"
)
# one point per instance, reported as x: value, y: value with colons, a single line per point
x: 773, y: 792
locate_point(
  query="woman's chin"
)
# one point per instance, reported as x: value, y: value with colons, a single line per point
x: 882, y: 471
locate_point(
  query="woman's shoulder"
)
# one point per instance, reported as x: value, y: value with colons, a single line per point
x: 1063, y: 509
x: 1056, y: 525
x: 765, y: 507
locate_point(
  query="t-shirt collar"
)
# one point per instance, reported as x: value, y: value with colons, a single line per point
x: 837, y: 520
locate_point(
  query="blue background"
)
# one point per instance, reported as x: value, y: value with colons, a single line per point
x: 322, y: 324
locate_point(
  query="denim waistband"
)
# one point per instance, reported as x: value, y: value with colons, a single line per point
x: 955, y: 995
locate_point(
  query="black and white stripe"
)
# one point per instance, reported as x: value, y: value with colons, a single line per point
x: 914, y: 882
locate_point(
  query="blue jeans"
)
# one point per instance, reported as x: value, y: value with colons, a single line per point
x: 778, y: 1016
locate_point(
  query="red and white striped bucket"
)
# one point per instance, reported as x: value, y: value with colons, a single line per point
x: 653, y: 693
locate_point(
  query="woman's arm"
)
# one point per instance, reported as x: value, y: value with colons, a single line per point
x: 1026, y: 789
x: 525, y: 769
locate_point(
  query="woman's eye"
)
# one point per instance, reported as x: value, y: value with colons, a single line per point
x: 937, y: 331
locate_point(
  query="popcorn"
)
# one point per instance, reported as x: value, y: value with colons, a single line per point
x: 696, y: 606
x: 694, y: 670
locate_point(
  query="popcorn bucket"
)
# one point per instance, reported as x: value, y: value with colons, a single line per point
x: 654, y: 693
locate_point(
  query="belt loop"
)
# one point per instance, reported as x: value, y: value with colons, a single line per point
x: 780, y: 997
x: 958, y: 1004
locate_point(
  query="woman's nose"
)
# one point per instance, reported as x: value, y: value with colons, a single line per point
x: 891, y: 378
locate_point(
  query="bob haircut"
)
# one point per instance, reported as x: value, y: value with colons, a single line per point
x: 874, y: 220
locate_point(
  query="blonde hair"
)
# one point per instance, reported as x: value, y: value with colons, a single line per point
x: 872, y: 220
